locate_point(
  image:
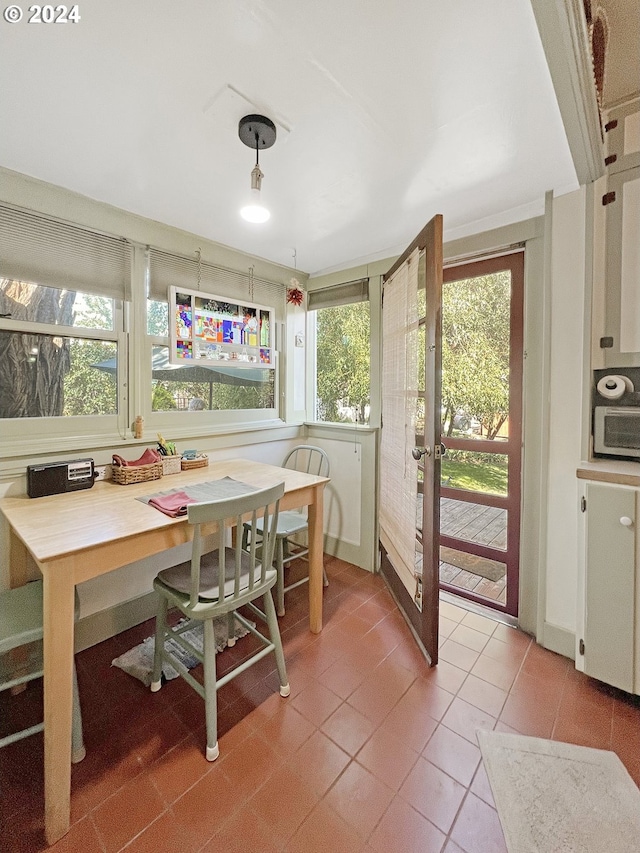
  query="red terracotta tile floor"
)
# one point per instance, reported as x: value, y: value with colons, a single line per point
x: 373, y: 751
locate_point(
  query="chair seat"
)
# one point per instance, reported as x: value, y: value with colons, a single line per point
x: 288, y: 523
x: 178, y: 577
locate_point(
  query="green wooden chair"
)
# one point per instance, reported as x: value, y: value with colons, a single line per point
x: 311, y: 460
x: 21, y: 626
x: 217, y: 584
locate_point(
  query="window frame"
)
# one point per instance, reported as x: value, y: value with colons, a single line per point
x: 188, y: 423
x: 70, y: 432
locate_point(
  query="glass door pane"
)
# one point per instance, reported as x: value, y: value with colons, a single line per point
x: 481, y: 430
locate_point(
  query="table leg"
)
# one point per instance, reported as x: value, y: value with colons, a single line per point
x: 58, y: 613
x: 18, y: 565
x: 315, y: 521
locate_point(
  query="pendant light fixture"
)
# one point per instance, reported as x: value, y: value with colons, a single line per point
x: 257, y: 132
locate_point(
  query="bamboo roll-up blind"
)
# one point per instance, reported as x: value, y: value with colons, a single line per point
x: 398, y: 469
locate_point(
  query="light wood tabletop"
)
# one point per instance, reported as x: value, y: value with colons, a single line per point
x: 80, y: 535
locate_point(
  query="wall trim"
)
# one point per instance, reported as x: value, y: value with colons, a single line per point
x: 107, y: 623
x: 563, y: 31
x: 346, y: 551
x: 559, y: 640
x: 12, y: 467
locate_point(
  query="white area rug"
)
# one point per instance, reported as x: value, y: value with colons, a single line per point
x: 138, y: 661
x: 560, y: 798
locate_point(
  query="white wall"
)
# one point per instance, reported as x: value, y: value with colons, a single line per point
x: 565, y: 391
x: 350, y: 499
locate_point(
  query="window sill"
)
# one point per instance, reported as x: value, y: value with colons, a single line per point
x: 17, y: 455
x: 340, y: 427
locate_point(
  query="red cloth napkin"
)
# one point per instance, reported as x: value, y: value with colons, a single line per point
x: 147, y: 458
x: 174, y: 504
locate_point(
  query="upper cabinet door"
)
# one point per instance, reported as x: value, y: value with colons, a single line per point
x: 622, y: 285
x: 622, y: 282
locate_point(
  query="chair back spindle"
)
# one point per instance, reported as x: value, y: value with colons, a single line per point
x: 286, y: 545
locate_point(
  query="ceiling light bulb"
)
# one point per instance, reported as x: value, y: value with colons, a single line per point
x: 255, y: 211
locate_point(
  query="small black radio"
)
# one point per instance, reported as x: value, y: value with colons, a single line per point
x: 59, y: 477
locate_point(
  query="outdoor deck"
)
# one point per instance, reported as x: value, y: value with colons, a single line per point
x: 474, y: 523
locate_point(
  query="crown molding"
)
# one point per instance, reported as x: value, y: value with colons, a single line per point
x: 563, y: 31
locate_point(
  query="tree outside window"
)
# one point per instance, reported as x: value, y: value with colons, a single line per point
x: 342, y: 363
x: 45, y: 375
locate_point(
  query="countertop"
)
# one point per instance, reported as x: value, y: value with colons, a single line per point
x: 621, y: 473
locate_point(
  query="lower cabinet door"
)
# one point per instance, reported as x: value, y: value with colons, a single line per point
x: 610, y: 584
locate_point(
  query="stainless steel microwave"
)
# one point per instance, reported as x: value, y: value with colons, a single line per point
x: 616, y: 430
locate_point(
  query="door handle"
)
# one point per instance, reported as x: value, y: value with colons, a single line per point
x: 419, y: 452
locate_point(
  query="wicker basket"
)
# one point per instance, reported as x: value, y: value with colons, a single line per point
x: 199, y: 462
x: 171, y: 464
x: 125, y: 475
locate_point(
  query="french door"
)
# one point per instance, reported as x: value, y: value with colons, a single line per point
x: 411, y: 375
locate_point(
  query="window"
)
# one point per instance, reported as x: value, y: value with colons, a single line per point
x: 342, y: 352
x: 60, y: 373
x: 73, y: 368
x: 201, y: 387
x: 61, y: 293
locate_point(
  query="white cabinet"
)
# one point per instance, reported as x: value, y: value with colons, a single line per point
x: 622, y: 200
x: 608, y: 619
x: 623, y: 269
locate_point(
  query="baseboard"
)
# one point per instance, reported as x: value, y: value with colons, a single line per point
x: 559, y: 640
x: 107, y: 623
x: 347, y: 552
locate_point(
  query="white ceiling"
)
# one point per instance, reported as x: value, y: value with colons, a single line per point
x: 387, y: 113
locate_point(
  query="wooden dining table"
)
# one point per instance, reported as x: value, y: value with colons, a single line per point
x: 80, y: 535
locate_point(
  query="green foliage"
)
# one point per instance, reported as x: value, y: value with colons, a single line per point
x: 342, y: 361
x: 93, y: 312
x: 88, y: 391
x: 475, y: 350
x: 157, y: 318
x: 162, y: 399
x: 243, y: 397
x: 222, y: 397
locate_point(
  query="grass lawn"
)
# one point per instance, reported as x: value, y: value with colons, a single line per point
x: 484, y: 477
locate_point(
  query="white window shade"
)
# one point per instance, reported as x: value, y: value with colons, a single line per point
x: 41, y: 250
x: 339, y: 294
x: 167, y: 270
x: 398, y: 468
